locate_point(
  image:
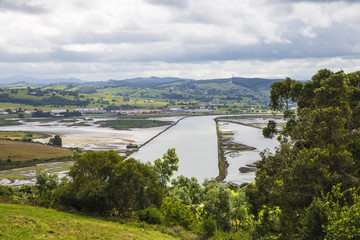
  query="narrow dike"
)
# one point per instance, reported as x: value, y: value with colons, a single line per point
x: 129, y: 153
x: 226, y: 145
x: 222, y: 163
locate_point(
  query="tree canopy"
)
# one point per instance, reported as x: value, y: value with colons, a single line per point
x: 319, y: 148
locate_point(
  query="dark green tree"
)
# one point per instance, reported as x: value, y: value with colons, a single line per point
x: 104, y: 182
x: 55, y: 141
x: 318, y: 149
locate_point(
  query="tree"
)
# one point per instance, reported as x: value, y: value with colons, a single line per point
x: 186, y: 190
x: 318, y: 149
x: 217, y: 203
x: 284, y: 91
x: 90, y: 179
x: 55, y: 141
x: 133, y: 186
x: 104, y: 182
x: 177, y: 213
x: 166, y: 167
x: 46, y: 186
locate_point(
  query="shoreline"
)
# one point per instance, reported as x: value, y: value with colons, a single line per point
x: 225, y: 146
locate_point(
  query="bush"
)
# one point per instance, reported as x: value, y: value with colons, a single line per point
x: 177, y: 213
x: 6, y: 190
x: 208, y: 227
x: 151, y: 215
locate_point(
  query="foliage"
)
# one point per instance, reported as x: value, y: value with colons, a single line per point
x: 55, y: 141
x: 343, y: 211
x: 318, y: 149
x: 177, y: 213
x: 270, y: 131
x: 166, y: 167
x: 133, y: 186
x: 208, y: 227
x: 217, y: 203
x: 104, y: 182
x: 186, y: 190
x: 151, y: 215
x: 48, y: 188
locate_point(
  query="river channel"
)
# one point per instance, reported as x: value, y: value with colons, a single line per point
x: 194, y: 138
x: 195, y: 141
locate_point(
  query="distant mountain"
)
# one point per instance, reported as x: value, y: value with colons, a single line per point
x: 30, y: 81
x: 255, y: 84
x: 151, y: 82
x: 156, y: 82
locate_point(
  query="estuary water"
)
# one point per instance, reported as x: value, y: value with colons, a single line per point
x: 195, y: 141
x: 249, y: 136
x: 194, y: 138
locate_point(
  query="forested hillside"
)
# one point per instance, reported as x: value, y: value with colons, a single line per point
x: 233, y: 95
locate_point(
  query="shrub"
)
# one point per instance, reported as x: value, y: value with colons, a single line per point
x: 177, y: 213
x: 151, y: 215
x: 208, y: 227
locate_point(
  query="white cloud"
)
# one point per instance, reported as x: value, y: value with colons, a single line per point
x: 197, y: 38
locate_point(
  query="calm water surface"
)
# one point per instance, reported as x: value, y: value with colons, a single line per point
x: 195, y: 141
x: 249, y: 136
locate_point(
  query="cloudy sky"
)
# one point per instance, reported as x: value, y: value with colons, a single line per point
x: 118, y: 39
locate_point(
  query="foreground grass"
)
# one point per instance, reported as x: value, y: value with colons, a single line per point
x: 18, y: 151
x: 27, y: 222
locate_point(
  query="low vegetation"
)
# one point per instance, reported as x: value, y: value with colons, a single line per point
x: 122, y: 124
x: 6, y: 122
x: 24, y: 136
x: 18, y: 153
x: 28, y: 222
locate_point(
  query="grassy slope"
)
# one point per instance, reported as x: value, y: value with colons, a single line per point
x: 27, y: 222
x: 22, y: 151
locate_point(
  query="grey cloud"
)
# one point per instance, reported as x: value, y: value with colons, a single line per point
x: 118, y: 37
x: 318, y: 1
x: 21, y: 6
x: 337, y: 41
x: 56, y: 55
x: 171, y: 3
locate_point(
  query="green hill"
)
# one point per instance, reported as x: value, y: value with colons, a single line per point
x: 28, y: 222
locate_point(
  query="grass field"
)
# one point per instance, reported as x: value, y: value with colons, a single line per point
x: 19, y: 135
x: 133, y: 123
x: 4, y: 121
x: 28, y: 222
x: 22, y: 151
x: 23, y: 173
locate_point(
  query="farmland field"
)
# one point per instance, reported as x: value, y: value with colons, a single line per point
x: 17, y: 151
